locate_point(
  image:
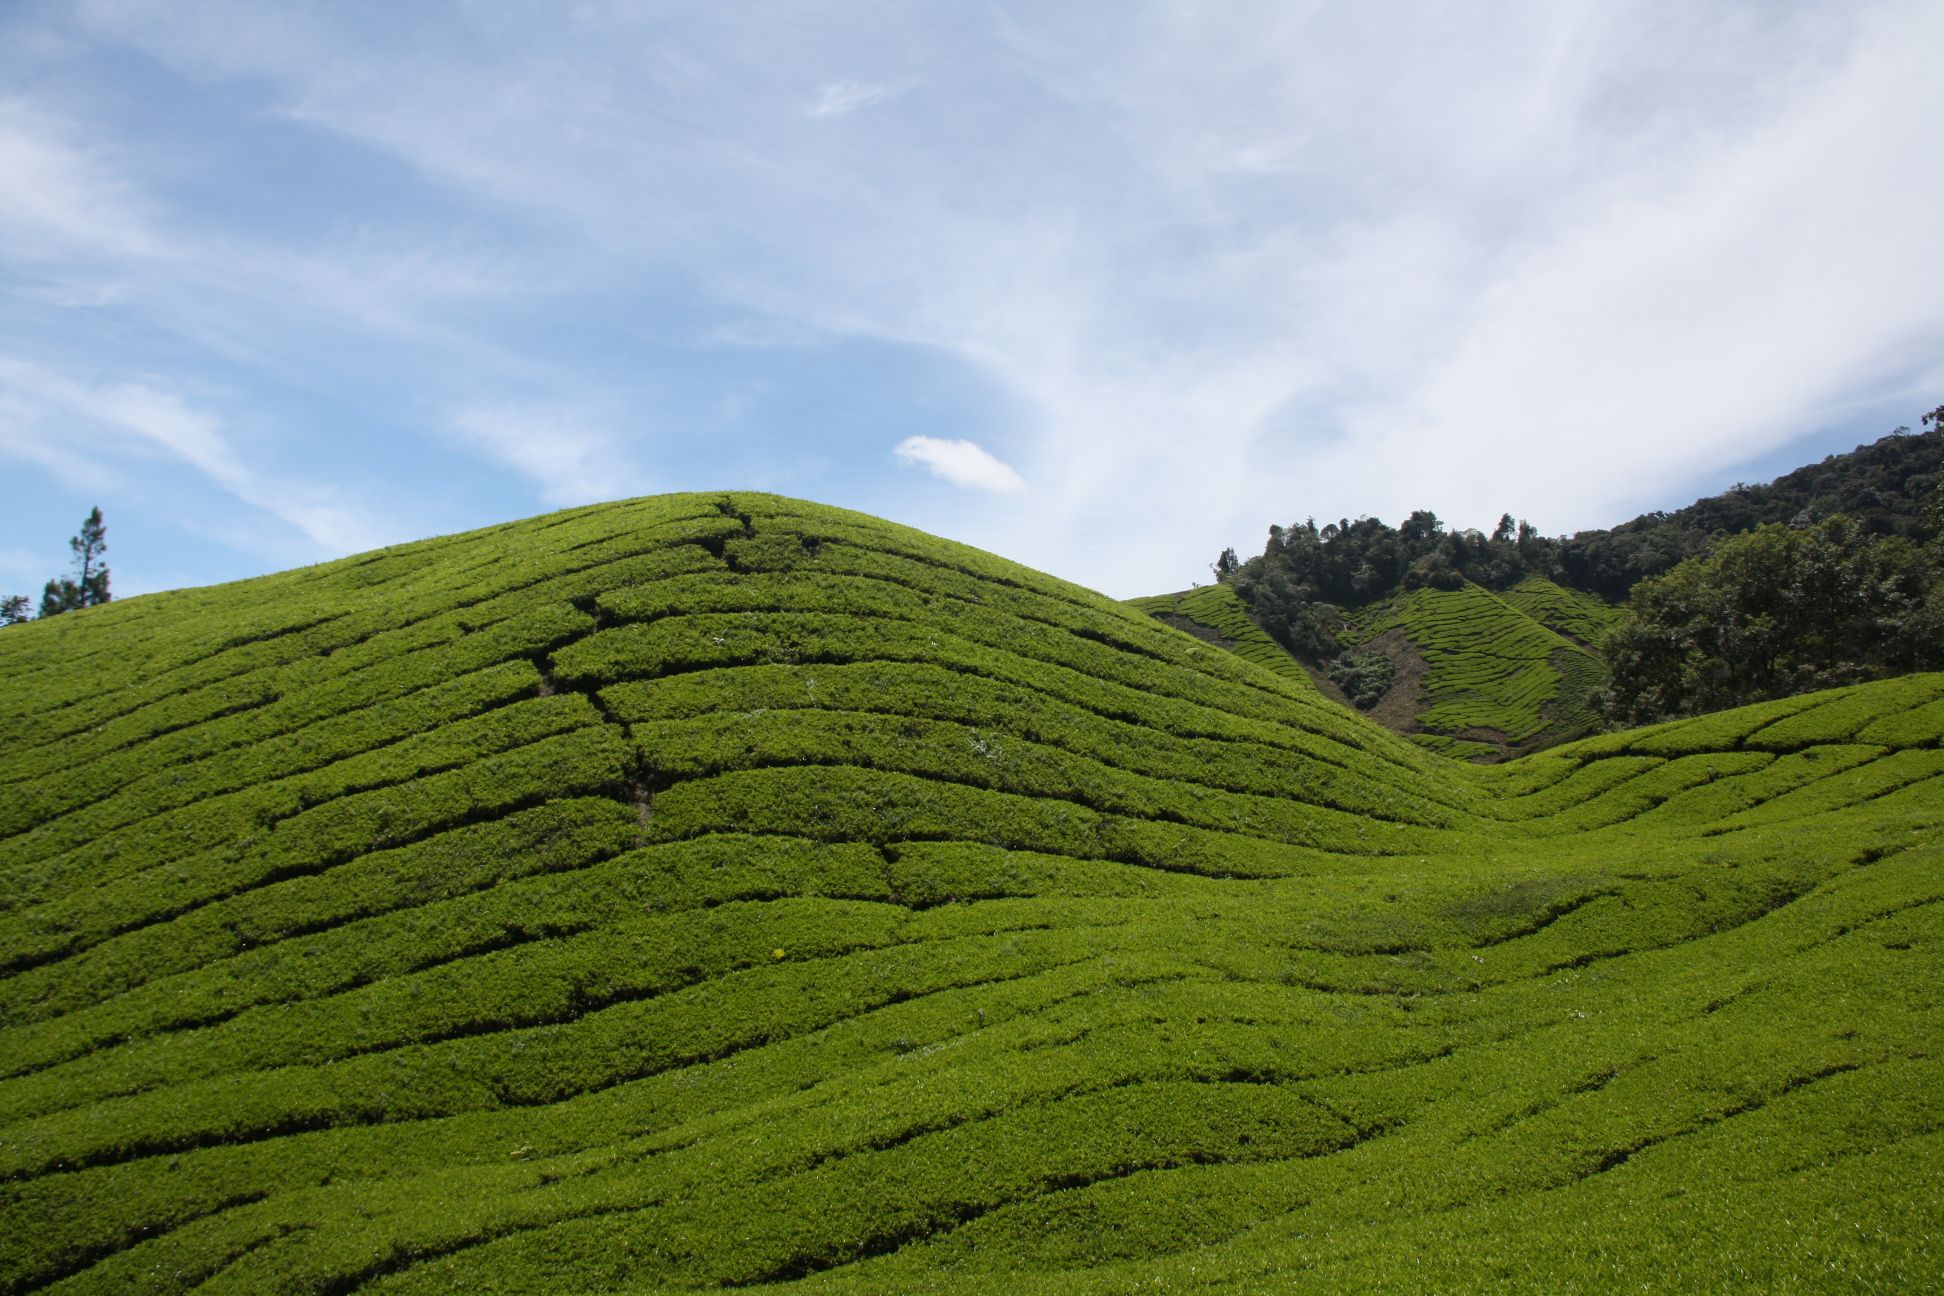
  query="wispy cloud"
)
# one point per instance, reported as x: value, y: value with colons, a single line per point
x: 841, y: 98
x: 962, y: 463
x: 571, y: 455
x: 761, y: 334
x: 102, y: 424
x: 60, y: 198
x: 1184, y: 264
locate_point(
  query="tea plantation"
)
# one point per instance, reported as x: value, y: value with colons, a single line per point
x: 1500, y: 674
x: 1497, y: 679
x: 1216, y: 613
x: 710, y: 892
x: 1575, y: 614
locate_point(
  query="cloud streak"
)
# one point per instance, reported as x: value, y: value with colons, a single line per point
x: 58, y: 198
x: 1205, y: 267
x: 569, y: 455
x: 106, y: 425
x: 962, y: 463
x: 842, y: 98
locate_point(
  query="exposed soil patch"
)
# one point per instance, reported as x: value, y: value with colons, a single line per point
x: 1197, y: 629
x: 1403, y: 701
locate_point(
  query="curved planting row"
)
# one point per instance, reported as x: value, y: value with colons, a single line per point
x: 712, y: 891
x: 1494, y: 674
x: 1584, y: 618
x: 1218, y: 611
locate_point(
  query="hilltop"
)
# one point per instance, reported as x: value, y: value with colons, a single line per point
x: 708, y: 891
x: 1494, y: 646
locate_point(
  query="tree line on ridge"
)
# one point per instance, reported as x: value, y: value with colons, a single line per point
x: 1829, y: 575
x: 85, y: 587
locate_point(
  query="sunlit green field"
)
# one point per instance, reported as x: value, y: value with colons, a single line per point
x: 1498, y: 678
x: 707, y: 892
x: 1577, y: 615
x: 1502, y: 673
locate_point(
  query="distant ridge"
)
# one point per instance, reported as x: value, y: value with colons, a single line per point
x: 721, y: 890
x: 1444, y: 615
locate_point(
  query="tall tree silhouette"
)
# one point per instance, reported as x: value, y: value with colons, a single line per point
x: 89, y: 584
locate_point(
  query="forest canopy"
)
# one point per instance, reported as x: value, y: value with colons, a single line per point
x: 1852, y: 540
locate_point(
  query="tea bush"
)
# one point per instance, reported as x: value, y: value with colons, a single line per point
x: 712, y: 890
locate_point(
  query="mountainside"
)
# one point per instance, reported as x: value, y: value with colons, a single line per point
x: 1469, y: 673
x: 1419, y: 624
x: 710, y: 891
x: 1884, y: 485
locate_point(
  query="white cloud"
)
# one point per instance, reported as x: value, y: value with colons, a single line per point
x: 59, y: 198
x: 841, y: 98
x: 571, y: 455
x: 963, y: 463
x: 1225, y: 265
x: 76, y: 428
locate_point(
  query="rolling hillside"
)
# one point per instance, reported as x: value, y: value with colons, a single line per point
x: 1495, y: 679
x: 1471, y: 679
x: 1214, y: 613
x: 710, y: 892
x: 1479, y: 676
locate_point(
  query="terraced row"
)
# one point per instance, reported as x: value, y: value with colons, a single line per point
x: 1584, y: 618
x: 711, y: 891
x: 1493, y: 672
x: 1217, y: 610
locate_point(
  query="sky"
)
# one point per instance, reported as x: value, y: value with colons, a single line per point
x: 1102, y: 287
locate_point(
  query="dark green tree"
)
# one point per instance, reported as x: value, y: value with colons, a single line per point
x: 14, y: 609
x: 1364, y: 677
x: 88, y: 585
x: 1768, y: 614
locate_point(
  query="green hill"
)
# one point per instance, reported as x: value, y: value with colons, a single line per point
x: 1215, y: 613
x: 1575, y: 614
x: 719, y: 891
x: 1495, y: 680
x: 1477, y: 675
x: 1845, y: 593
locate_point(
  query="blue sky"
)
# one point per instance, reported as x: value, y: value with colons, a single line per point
x: 1101, y: 287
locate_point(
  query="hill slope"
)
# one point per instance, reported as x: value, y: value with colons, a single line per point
x: 714, y: 891
x: 1315, y: 590
x: 1477, y: 675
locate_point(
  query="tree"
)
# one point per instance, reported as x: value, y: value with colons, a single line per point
x: 13, y: 609
x: 1772, y: 613
x: 89, y: 584
x: 1364, y: 677
x: 1225, y: 565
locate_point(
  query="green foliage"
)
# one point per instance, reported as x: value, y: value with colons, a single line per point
x: 1307, y: 571
x: 1883, y: 486
x: 705, y: 891
x: 1578, y: 616
x: 89, y: 584
x: 1363, y: 676
x: 1313, y: 587
x: 1494, y: 675
x: 1773, y: 613
x: 1217, y: 613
